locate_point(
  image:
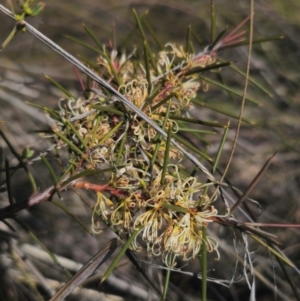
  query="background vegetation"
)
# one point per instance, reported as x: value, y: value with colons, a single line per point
x: 274, y: 65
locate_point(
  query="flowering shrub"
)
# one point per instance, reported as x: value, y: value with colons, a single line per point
x: 148, y: 189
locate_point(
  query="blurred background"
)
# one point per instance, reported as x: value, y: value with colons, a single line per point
x: 275, y: 65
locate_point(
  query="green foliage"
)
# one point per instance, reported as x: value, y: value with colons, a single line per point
x: 151, y: 198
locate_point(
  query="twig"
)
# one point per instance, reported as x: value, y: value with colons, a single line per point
x: 38, y: 198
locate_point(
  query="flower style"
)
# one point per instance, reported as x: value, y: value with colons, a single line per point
x: 184, y: 87
x: 168, y: 57
x: 184, y: 240
x: 136, y: 91
x: 100, y: 153
x: 123, y: 214
x: 151, y: 222
x: 103, y: 208
x: 185, y: 91
x: 122, y: 65
x: 173, y: 219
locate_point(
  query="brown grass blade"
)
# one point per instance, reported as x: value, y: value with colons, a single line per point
x: 252, y: 184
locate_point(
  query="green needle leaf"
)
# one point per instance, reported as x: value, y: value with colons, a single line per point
x: 60, y: 87
x: 120, y: 255
x: 226, y: 88
x: 93, y: 37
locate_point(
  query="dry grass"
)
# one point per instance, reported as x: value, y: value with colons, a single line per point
x: 274, y: 65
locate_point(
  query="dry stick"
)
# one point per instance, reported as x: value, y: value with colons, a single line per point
x: 130, y: 288
x: 87, y: 270
x: 9, y: 211
x: 252, y: 185
x: 108, y: 87
x: 40, y: 197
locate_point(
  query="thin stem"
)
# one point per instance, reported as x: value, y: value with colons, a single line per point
x: 244, y: 92
x: 204, y: 265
